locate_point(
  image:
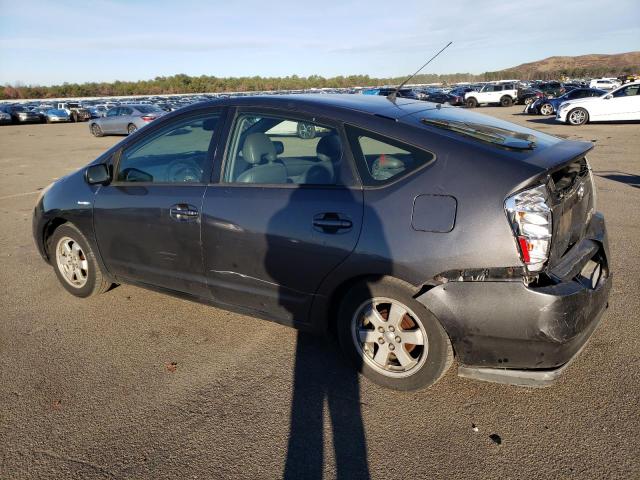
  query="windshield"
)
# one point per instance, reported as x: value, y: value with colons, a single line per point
x: 486, y: 133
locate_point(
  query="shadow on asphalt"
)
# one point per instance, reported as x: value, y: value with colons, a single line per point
x: 323, y: 378
x: 622, y: 177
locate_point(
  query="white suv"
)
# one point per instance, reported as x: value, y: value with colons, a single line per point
x: 618, y: 105
x: 503, y: 93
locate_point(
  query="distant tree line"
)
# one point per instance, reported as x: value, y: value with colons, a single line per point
x: 209, y: 84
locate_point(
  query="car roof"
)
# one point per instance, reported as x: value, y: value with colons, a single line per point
x: 329, y: 104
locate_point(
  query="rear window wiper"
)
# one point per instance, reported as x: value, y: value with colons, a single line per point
x: 494, y: 135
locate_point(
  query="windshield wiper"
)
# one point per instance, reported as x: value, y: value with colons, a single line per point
x: 495, y: 135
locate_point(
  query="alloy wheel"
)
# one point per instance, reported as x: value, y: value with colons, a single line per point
x: 546, y: 109
x: 577, y: 116
x: 389, y: 337
x: 72, y: 262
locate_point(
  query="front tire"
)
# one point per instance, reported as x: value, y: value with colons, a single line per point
x: 131, y: 128
x: 577, y: 116
x: 391, y: 338
x: 471, y: 102
x: 96, y: 131
x: 75, y: 263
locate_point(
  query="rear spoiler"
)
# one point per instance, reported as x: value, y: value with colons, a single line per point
x: 559, y: 154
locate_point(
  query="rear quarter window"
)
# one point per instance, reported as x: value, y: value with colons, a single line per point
x: 381, y: 160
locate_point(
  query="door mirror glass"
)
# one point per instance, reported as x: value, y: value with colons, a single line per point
x: 608, y: 97
x: 97, y: 174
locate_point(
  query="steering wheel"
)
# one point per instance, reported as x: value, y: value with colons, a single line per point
x: 184, y: 171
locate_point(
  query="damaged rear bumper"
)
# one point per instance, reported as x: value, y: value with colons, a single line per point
x: 508, y: 332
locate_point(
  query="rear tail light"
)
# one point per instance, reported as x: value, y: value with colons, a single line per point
x: 530, y: 217
x: 148, y: 118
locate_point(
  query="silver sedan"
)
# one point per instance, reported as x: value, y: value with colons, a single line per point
x: 124, y: 119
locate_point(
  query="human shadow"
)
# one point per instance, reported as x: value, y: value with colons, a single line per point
x: 321, y: 376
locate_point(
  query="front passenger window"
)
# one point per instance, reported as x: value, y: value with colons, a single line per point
x: 178, y: 153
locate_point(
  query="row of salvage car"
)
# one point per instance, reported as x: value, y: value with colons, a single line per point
x: 582, y: 105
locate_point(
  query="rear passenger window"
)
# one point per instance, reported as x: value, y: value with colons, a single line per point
x: 381, y: 160
x: 275, y: 150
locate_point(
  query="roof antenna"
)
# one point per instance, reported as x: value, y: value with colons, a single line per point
x: 392, y: 96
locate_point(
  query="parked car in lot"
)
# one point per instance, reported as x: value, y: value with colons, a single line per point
x: 503, y: 93
x: 442, y: 97
x: 619, y: 105
x: 549, y: 106
x: 56, y: 115
x: 604, y: 83
x: 550, y: 89
x: 125, y: 119
x: 77, y: 113
x: 526, y: 96
x: 20, y: 114
x: 400, y: 227
x: 5, y: 117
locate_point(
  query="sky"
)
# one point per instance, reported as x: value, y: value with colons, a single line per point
x: 56, y: 41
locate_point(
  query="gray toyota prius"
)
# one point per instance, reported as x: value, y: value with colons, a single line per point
x: 413, y: 232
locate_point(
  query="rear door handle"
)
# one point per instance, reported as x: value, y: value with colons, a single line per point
x: 331, y: 223
x: 182, y: 212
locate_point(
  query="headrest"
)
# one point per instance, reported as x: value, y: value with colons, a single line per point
x: 329, y: 148
x: 258, y: 147
x: 386, y: 166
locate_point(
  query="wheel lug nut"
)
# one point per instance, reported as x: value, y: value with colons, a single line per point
x: 398, y: 339
x: 392, y: 329
x: 381, y: 340
x: 391, y: 347
x: 380, y: 329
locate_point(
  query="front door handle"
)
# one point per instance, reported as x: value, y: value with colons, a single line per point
x: 182, y: 212
x: 331, y: 223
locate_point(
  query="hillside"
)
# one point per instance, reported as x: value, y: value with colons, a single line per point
x: 582, y: 65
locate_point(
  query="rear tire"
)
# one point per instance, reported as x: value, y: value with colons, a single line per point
x: 577, y: 116
x: 131, y: 128
x: 506, y: 101
x: 408, y: 350
x: 471, y: 102
x: 75, y: 263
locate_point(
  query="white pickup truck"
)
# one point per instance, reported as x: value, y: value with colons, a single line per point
x: 503, y: 93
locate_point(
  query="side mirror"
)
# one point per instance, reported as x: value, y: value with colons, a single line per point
x: 608, y: 97
x: 97, y: 174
